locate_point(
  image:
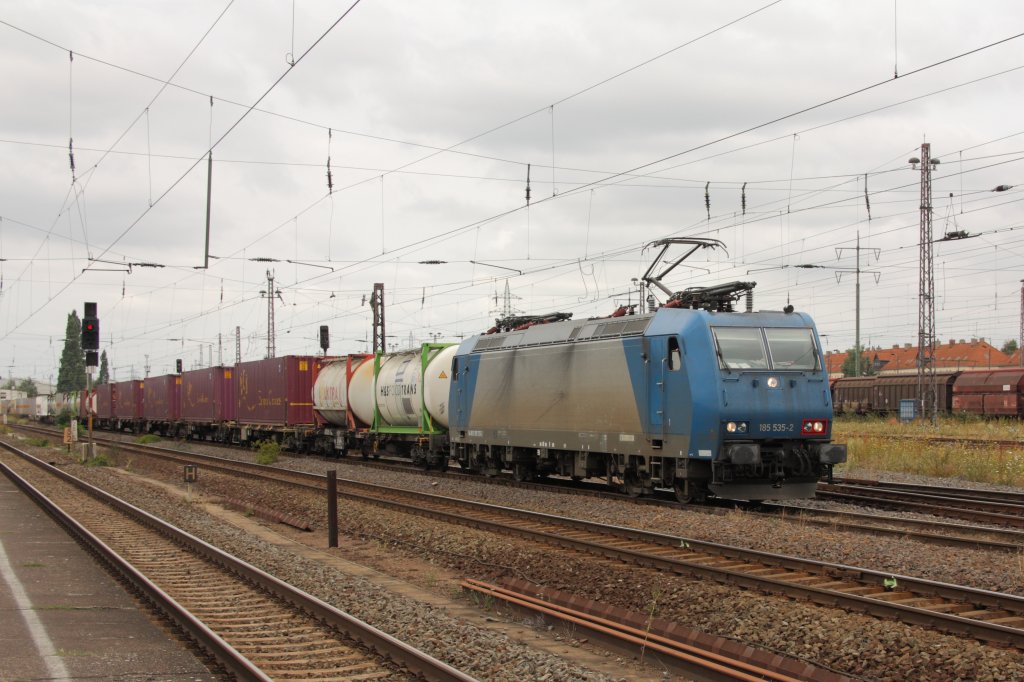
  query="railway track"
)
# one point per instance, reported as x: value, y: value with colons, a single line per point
x: 255, y: 626
x: 929, y: 531
x: 983, y: 615
x: 1002, y: 444
x: 989, y: 507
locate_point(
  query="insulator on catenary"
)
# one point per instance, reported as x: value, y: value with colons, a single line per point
x: 330, y: 179
x: 707, y: 199
x: 527, y: 184
x: 71, y: 156
x: 743, y: 198
x: 867, y: 201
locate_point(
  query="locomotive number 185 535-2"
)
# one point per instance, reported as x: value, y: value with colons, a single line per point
x: 775, y: 428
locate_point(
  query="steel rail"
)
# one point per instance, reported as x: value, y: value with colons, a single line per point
x: 1013, y: 542
x: 383, y: 644
x: 924, y: 503
x: 953, y: 440
x: 709, y: 664
x: 982, y: 494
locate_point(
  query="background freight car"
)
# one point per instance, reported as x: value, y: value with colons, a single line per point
x: 883, y: 393
x: 995, y: 392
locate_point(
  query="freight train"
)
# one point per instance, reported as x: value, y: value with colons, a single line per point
x: 693, y: 397
x: 995, y: 392
x: 702, y: 402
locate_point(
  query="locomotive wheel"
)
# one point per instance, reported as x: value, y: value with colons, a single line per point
x: 688, y: 492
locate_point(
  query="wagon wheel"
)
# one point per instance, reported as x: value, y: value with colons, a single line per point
x: 690, y: 492
x: 631, y: 483
x: 522, y: 471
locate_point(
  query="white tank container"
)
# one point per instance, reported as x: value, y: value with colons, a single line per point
x: 436, y: 381
x: 398, y: 389
x: 360, y: 391
x: 330, y: 392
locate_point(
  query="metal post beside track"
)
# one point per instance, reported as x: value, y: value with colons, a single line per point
x: 332, y: 508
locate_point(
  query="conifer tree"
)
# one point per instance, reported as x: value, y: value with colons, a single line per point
x: 71, y: 374
x: 104, y: 375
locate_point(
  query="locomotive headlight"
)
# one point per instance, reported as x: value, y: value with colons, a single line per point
x: 773, y: 382
x: 736, y: 427
x: 813, y: 427
x: 731, y: 427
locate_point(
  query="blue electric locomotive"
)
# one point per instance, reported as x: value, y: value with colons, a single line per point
x: 734, y: 405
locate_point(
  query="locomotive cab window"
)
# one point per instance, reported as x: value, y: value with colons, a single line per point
x: 740, y: 348
x: 792, y: 349
x: 675, y: 360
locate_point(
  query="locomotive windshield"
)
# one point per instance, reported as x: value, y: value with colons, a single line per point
x: 744, y: 348
x: 792, y: 349
x: 740, y: 348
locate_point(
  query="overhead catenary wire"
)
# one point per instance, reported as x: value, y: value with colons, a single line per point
x: 174, y: 184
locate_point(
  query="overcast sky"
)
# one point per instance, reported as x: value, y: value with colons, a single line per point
x: 431, y: 114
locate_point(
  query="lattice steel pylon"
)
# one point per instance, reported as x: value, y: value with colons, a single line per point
x: 377, y: 304
x: 928, y: 396
x: 270, y: 294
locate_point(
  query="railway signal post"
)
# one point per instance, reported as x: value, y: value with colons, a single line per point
x: 90, y: 344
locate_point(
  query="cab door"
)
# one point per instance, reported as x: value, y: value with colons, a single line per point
x: 656, y: 349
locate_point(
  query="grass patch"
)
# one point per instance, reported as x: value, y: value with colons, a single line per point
x: 946, y: 426
x: 33, y: 564
x: 147, y: 438
x: 267, y: 451
x: 37, y: 442
x: 100, y: 460
x: 872, y: 444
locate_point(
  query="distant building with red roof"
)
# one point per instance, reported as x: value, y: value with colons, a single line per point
x: 951, y: 356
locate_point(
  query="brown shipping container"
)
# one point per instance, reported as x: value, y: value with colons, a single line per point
x: 275, y: 391
x: 106, y: 398
x: 208, y: 395
x: 161, y: 400
x: 128, y: 402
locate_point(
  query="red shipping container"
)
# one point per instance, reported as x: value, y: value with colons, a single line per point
x: 208, y: 395
x: 128, y: 400
x: 161, y: 399
x: 106, y: 398
x: 275, y: 391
